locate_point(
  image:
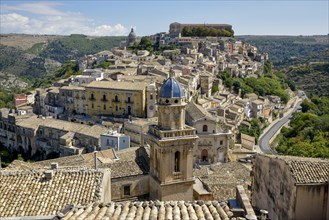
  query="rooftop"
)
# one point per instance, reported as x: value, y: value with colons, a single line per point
x: 30, y: 193
x: 196, y: 111
x: 306, y: 170
x: 152, y: 210
x: 117, y: 85
x: 223, y: 188
x: 82, y: 160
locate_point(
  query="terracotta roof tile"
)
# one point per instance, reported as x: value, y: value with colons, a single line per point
x: 152, y: 210
x: 306, y: 170
x: 30, y: 193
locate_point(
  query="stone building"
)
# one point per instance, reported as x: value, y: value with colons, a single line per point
x: 115, y: 98
x: 213, y: 142
x: 172, y: 142
x: 136, y: 129
x: 291, y: 187
x: 206, y: 81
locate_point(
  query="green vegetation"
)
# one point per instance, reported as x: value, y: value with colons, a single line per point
x: 206, y: 32
x: 105, y: 64
x: 313, y: 79
x: 7, y: 157
x: 255, y: 128
x: 214, y: 89
x: 30, y: 64
x: 290, y: 50
x: 270, y: 83
x: 146, y: 44
x: 308, y: 134
x: 76, y: 46
x: 6, y: 99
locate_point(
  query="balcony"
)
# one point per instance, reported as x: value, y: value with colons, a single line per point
x: 129, y: 102
x: 104, y: 100
x: 115, y: 100
x: 92, y: 99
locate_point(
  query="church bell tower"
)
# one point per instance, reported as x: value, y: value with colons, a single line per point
x: 171, y: 147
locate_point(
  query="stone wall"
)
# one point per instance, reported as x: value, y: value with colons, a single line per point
x: 312, y: 202
x: 273, y: 188
x: 139, y: 186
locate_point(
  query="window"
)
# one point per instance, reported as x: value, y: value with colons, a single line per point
x: 116, y: 98
x: 104, y: 107
x: 126, y: 190
x: 104, y: 97
x: 92, y: 96
x: 205, y: 128
x: 107, y: 142
x: 281, y: 189
x: 151, y: 96
x: 177, y: 161
x: 92, y: 105
x: 123, y: 141
x: 128, y: 99
x: 116, y: 108
x: 221, y: 142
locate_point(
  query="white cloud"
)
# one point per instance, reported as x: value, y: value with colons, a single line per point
x: 43, y: 8
x: 49, y: 20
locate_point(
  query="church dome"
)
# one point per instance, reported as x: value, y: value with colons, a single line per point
x: 132, y: 35
x: 171, y: 88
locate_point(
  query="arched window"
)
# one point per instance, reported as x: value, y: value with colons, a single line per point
x: 92, y: 96
x: 177, y: 161
x: 205, y: 128
x: 128, y: 99
x: 104, y: 97
x: 116, y: 98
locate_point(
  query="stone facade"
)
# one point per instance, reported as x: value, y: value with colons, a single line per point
x: 213, y: 142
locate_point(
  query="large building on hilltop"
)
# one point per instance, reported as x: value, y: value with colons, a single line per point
x: 171, y: 142
x: 175, y: 29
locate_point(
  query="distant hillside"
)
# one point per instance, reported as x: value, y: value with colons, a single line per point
x: 33, y: 56
x: 312, y: 78
x: 287, y: 50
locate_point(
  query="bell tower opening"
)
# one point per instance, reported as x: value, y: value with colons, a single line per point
x: 177, y: 161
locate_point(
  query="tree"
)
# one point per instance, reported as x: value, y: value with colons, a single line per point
x: 267, y: 68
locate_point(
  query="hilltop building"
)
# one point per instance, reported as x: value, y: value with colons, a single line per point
x: 175, y: 29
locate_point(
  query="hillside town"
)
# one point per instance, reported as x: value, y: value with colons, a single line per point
x: 156, y: 136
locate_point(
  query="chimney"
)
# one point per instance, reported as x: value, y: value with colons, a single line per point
x: 95, y: 159
x: 49, y: 174
x: 54, y: 166
x: 263, y: 215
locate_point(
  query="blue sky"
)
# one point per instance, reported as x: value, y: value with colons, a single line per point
x: 148, y: 17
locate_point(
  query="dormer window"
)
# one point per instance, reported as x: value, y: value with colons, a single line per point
x: 205, y: 128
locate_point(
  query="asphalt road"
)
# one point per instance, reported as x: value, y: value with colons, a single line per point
x: 264, y: 140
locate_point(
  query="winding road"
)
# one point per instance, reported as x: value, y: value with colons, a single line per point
x: 264, y: 140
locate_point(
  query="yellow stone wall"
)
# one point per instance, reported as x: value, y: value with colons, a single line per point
x: 117, y: 108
